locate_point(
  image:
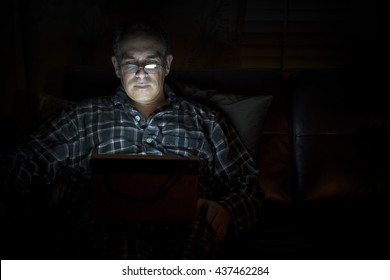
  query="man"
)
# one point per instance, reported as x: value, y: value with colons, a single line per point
x: 137, y: 119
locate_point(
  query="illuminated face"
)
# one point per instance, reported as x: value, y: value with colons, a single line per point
x: 143, y: 85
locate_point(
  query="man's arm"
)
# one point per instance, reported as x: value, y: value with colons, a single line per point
x: 240, y: 194
x: 35, y: 160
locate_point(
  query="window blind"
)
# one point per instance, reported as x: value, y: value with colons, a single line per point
x: 288, y: 35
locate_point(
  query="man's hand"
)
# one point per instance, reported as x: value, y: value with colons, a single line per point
x: 216, y: 215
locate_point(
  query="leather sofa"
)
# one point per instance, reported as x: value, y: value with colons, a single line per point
x: 322, y: 150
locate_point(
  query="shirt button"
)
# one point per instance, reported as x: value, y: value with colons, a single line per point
x: 137, y: 118
x: 149, y: 140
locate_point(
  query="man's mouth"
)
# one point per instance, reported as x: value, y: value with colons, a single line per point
x: 141, y: 85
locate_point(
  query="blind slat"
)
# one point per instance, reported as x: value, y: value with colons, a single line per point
x: 294, y: 34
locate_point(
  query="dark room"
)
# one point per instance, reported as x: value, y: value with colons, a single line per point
x: 262, y: 125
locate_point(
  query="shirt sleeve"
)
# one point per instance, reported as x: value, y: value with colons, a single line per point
x: 238, y: 188
x: 36, y: 159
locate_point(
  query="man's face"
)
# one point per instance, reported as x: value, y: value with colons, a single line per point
x: 140, y: 49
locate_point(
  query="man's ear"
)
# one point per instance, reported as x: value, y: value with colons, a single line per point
x: 168, y: 62
x: 116, y: 66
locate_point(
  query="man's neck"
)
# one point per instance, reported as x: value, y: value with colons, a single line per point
x: 148, y: 108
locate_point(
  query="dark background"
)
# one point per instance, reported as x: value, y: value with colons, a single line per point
x: 42, y: 38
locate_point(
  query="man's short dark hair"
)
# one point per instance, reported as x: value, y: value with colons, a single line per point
x: 140, y: 26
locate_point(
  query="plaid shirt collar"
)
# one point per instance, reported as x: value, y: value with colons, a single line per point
x: 120, y: 99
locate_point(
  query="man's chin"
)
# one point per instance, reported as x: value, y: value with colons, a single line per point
x: 140, y: 95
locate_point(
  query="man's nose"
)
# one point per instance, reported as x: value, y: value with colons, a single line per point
x: 141, y: 72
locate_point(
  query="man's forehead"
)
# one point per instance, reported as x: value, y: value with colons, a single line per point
x: 144, y: 55
x: 145, y: 43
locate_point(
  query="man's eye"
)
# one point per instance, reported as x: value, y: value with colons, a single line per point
x: 151, y: 66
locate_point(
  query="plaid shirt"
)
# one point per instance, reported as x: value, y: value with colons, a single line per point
x: 112, y: 125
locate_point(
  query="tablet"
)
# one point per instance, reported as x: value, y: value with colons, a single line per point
x: 144, y: 187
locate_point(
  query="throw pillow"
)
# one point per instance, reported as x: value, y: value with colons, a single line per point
x: 246, y: 114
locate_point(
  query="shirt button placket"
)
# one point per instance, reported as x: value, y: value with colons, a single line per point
x: 149, y: 137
